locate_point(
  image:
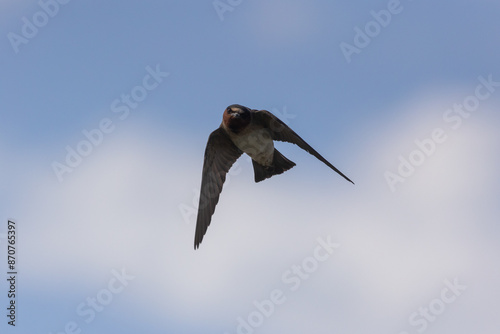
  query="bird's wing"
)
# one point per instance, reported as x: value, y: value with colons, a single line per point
x: 220, y: 155
x: 280, y: 131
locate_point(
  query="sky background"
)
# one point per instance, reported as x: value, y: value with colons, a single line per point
x: 128, y: 206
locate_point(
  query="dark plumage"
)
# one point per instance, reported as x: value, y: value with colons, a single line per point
x: 250, y: 131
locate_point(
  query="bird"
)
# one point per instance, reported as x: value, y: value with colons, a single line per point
x: 250, y: 131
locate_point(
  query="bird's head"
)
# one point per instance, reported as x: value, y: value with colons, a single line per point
x: 236, y: 117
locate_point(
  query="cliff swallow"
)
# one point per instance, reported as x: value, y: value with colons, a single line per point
x: 249, y: 131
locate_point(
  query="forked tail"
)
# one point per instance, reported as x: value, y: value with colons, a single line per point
x: 280, y: 165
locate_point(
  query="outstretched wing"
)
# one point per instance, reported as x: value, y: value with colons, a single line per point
x: 280, y: 131
x: 220, y: 155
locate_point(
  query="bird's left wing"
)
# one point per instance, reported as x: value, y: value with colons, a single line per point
x: 280, y: 131
x: 220, y: 155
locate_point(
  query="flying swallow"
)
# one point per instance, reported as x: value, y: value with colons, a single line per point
x: 249, y: 131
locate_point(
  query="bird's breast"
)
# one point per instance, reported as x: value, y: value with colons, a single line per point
x: 258, y: 144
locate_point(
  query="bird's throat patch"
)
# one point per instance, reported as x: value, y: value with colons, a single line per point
x: 235, y: 124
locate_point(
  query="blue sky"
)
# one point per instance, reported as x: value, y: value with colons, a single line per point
x: 126, y: 205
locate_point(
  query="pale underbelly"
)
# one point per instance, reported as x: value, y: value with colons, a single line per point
x: 258, y: 144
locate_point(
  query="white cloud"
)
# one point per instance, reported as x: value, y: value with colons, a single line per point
x: 120, y: 209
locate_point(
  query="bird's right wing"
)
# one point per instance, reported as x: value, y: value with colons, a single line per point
x: 220, y: 155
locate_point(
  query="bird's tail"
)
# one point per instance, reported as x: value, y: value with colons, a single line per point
x: 280, y: 165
